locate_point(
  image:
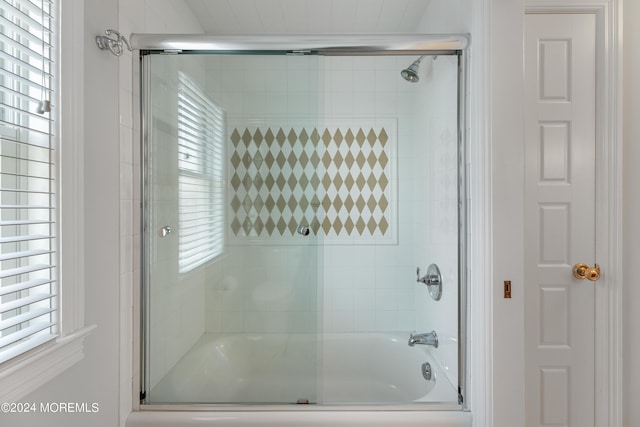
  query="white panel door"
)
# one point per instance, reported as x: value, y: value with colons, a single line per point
x: 560, y: 138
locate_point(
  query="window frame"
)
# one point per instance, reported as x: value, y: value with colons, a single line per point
x: 27, y: 372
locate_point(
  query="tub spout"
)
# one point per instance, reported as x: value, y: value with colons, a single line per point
x: 430, y: 338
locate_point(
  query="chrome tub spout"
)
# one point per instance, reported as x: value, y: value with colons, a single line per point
x: 430, y: 338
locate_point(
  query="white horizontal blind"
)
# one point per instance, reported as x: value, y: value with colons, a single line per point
x: 28, y: 303
x: 201, y: 131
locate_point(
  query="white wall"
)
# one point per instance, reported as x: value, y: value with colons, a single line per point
x: 631, y: 213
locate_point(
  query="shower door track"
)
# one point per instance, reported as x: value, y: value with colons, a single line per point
x: 324, y: 45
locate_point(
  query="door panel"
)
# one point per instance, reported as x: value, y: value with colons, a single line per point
x: 560, y: 136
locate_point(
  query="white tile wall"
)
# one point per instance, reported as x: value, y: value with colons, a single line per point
x: 176, y: 332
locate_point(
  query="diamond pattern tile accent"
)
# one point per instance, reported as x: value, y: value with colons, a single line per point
x: 336, y: 180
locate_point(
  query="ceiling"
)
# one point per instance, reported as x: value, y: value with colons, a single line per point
x: 308, y: 16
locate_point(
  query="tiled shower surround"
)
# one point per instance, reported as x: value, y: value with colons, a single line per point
x: 334, y: 180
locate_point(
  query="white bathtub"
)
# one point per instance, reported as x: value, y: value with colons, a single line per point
x: 356, y: 379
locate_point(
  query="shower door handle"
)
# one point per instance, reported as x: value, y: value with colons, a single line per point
x: 165, y: 231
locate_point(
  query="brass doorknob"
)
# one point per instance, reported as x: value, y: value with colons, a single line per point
x: 583, y: 271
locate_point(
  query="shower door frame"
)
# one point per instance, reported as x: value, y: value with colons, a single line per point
x: 323, y: 45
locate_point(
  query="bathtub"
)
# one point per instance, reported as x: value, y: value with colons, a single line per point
x: 355, y: 379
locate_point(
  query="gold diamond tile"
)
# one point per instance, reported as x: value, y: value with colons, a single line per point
x: 247, y: 226
x: 371, y: 203
x: 235, y: 204
x: 269, y: 226
x: 326, y: 137
x: 258, y: 181
x: 292, y: 137
x: 326, y: 203
x: 315, y: 181
x: 269, y: 181
x: 361, y: 160
x: 383, y: 159
x: 360, y: 225
x: 247, y: 182
x: 258, y: 226
x: 303, y: 137
x: 337, y: 181
x: 246, y: 160
x: 315, y: 159
x: 371, y: 225
x: 372, y: 181
x: 246, y: 137
x: 281, y: 181
x: 337, y: 226
x: 303, y: 160
x: 315, y: 137
x: 304, y: 181
x: 384, y: 226
x: 270, y: 204
x: 246, y: 203
x: 315, y: 203
x: 293, y: 225
x: 349, y: 138
x: 337, y: 136
x: 281, y: 159
x: 372, y: 159
x: 360, y: 203
x: 235, y: 182
x: 281, y: 137
x: 348, y: 226
x: 349, y: 203
x: 292, y: 160
x: 349, y: 181
x: 303, y: 203
x: 269, y: 159
x: 383, y: 137
x: 268, y: 136
x: 235, y: 137
x: 338, y: 159
x: 360, y: 137
x: 338, y: 203
x: 292, y: 203
x: 326, y: 159
x: 326, y: 181
x: 282, y: 226
x: 383, y: 203
x: 235, y: 226
x: 281, y: 203
x: 349, y: 159
x: 372, y: 137
x: 315, y: 225
x: 235, y: 160
x: 257, y: 160
x: 360, y: 181
x: 383, y: 181
x: 326, y: 225
x: 257, y: 137
x: 292, y: 181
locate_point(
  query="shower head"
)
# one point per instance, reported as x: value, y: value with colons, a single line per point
x: 410, y: 73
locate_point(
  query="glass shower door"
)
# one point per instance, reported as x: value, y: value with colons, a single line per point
x: 231, y: 219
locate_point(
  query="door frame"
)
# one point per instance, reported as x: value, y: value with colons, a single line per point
x: 608, y: 306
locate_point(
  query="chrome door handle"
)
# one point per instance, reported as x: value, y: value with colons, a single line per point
x: 165, y: 231
x: 583, y: 271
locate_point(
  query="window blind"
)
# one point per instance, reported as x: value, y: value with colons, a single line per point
x: 28, y: 286
x: 201, y: 130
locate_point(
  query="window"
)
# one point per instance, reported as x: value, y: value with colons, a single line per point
x: 28, y: 285
x: 201, y: 133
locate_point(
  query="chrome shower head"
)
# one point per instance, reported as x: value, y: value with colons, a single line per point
x: 410, y: 73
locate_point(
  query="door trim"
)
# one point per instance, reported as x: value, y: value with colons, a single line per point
x: 608, y: 309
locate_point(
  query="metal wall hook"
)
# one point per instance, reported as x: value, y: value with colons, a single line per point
x: 115, y: 45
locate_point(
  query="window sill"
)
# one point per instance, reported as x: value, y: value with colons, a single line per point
x: 24, y: 376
